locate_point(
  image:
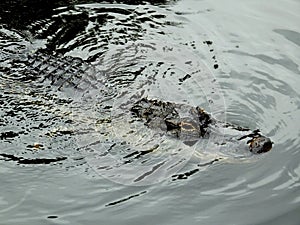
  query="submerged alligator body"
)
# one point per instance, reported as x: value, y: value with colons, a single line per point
x: 33, y: 107
x: 192, y: 123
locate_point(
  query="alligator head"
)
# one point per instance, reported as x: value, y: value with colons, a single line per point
x: 190, y: 124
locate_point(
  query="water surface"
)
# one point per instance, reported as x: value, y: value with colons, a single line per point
x: 242, y: 58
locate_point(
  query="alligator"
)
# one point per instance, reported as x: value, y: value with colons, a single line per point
x: 19, y: 65
x: 190, y: 124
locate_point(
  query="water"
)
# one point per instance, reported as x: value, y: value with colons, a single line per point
x: 51, y: 146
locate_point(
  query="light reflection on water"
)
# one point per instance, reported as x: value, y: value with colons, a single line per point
x: 258, y: 58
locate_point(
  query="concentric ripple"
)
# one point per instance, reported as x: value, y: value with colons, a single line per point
x: 89, y: 30
x: 125, y: 52
x: 127, y: 151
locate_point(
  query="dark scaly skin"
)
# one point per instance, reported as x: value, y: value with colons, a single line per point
x: 191, y: 123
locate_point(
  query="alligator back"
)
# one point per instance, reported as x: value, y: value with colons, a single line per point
x: 25, y: 61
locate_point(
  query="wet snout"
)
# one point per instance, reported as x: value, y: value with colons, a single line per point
x: 260, y: 144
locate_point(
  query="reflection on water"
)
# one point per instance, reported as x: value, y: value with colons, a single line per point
x: 69, y: 72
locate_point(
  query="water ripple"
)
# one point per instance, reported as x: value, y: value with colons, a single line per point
x: 164, y: 52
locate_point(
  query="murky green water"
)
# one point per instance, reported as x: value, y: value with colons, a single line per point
x: 68, y: 73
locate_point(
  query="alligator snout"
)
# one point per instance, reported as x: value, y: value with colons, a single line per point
x: 260, y: 144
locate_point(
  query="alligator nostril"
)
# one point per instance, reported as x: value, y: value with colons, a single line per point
x: 267, y: 145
